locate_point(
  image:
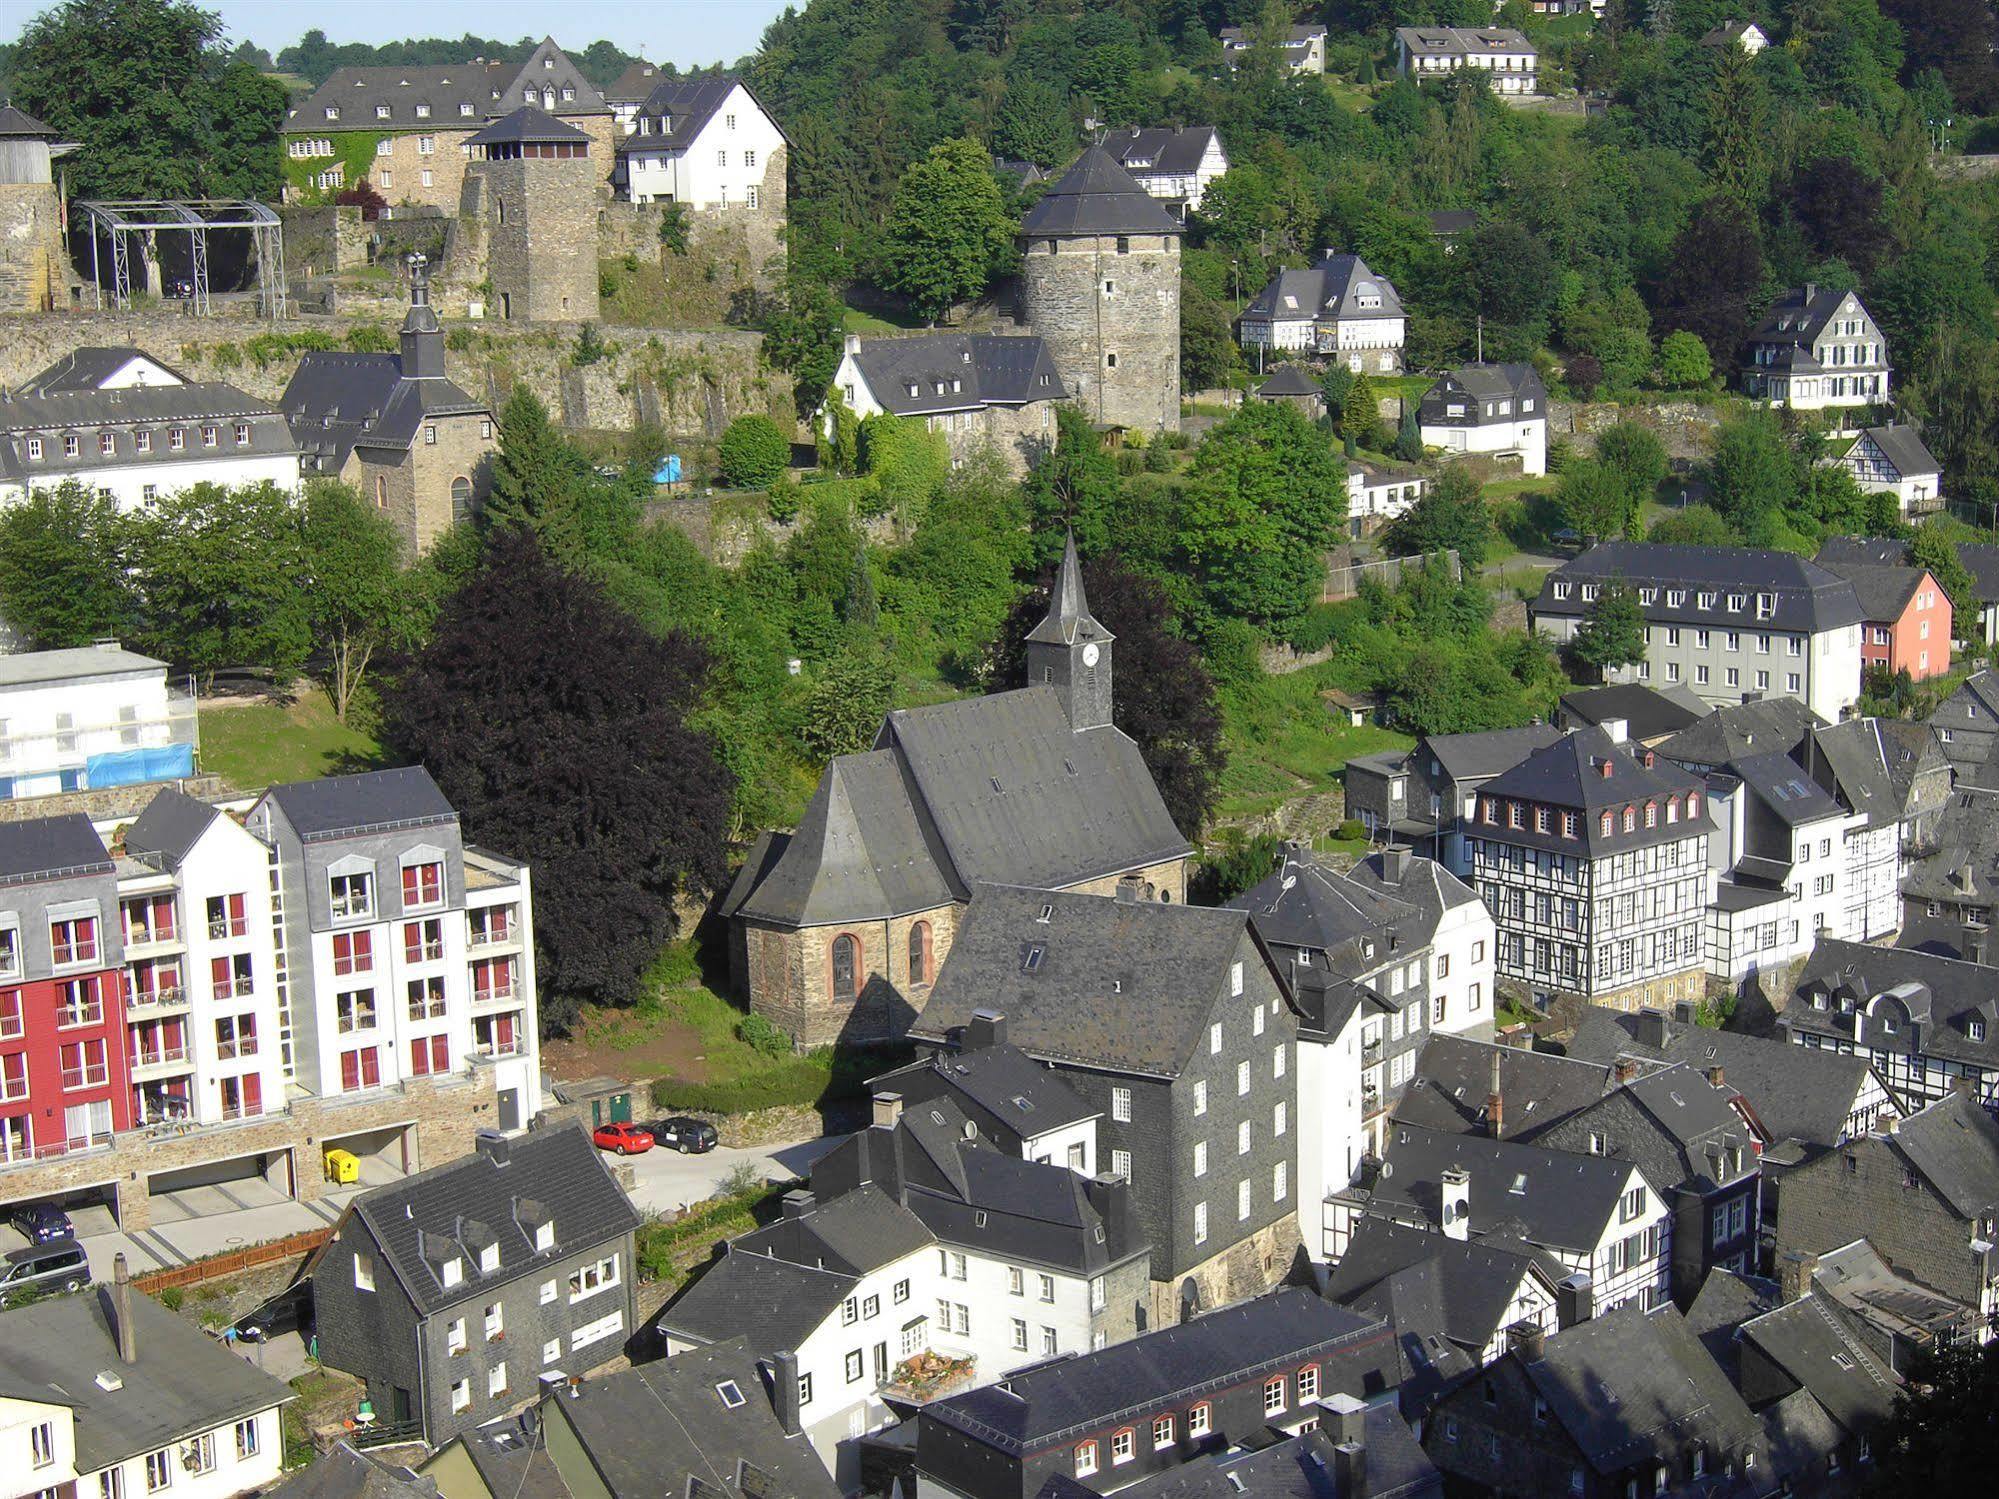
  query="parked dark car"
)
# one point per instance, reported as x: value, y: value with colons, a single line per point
x: 43, y: 1223
x: 288, y: 1311
x: 688, y: 1136
x: 41, y: 1269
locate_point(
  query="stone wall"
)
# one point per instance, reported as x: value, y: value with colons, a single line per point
x: 1685, y: 427
x: 540, y: 236
x: 1247, y: 1268
x: 1094, y: 305
x: 34, y: 275
x: 746, y: 244
x: 107, y: 802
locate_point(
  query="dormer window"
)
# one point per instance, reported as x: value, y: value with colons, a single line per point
x: 423, y: 111
x: 1707, y: 601
x: 451, y: 1272
x: 489, y: 1259
x: 1975, y: 1028
x: 333, y: 111
x: 465, y: 111
x: 381, y: 111
x: 544, y: 1236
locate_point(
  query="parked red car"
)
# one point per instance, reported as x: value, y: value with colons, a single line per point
x: 625, y: 1139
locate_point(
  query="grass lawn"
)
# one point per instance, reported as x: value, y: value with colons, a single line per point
x: 1282, y: 743
x: 257, y: 744
x: 857, y: 321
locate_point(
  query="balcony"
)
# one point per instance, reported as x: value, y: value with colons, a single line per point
x: 499, y: 996
x: 84, y: 1077
x: 74, y: 1015
x: 156, y: 1001
x: 69, y: 954
x: 492, y: 937
x: 423, y: 952
x: 497, y: 1052
x: 162, y: 1061
x: 929, y: 1376
x: 228, y: 927
x: 30, y: 1155
x: 234, y: 988
x: 229, y: 1051
x: 141, y: 941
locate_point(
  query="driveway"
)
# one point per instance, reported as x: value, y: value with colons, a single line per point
x: 668, y: 1181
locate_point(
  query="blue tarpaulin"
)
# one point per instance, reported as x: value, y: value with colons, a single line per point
x: 669, y: 470
x: 134, y: 767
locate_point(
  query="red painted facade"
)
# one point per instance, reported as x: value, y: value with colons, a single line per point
x: 66, y: 1055
x: 1918, y: 639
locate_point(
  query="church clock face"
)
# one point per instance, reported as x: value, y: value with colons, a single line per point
x: 1089, y: 655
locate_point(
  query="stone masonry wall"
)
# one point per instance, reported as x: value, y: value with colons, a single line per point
x: 107, y: 801
x: 33, y: 272
x: 541, y: 237
x: 1248, y: 1267
x: 1094, y: 305
x: 746, y: 243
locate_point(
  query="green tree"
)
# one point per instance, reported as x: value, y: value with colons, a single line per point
x: 1940, y: 1438
x: 359, y: 600
x: 1752, y: 474
x: 1736, y: 130
x: 1612, y: 633
x: 848, y: 701
x: 1034, y: 124
x: 1636, y: 456
x: 1450, y: 515
x: 1932, y: 547
x: 754, y: 452
x: 1594, y: 500
x: 63, y: 569
x: 1268, y: 497
x: 1683, y: 361
x: 1073, y: 487
x: 1208, y: 351
x: 535, y: 474
x: 1360, y: 416
x: 1408, y: 436
x: 1695, y: 525
x: 949, y: 232
x: 218, y: 570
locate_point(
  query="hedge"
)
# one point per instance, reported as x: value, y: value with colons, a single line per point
x: 661, y: 1244
x: 816, y: 1079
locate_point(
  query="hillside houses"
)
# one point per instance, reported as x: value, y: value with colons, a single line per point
x: 1338, y: 308
x: 1815, y: 348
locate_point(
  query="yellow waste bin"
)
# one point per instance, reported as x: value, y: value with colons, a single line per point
x: 342, y: 1166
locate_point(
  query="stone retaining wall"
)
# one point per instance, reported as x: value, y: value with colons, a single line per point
x: 108, y: 802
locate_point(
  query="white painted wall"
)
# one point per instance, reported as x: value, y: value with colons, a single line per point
x: 1527, y: 438
x: 19, y: 1421
x: 510, y: 885
x: 230, y: 1475
x: 1464, y: 949
x: 712, y: 170
x: 1055, y: 1146
x: 226, y: 861
x: 127, y: 484
x: 47, y: 728
x: 1331, y: 1134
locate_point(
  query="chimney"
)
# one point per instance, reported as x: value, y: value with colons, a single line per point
x: 491, y: 1144
x: 1618, y: 729
x: 1127, y: 891
x: 121, y: 1301
x: 784, y: 1391
x: 888, y: 1108
x: 1110, y: 1196
x: 1495, y: 1103
x: 1623, y: 1070
x: 1651, y: 1028
x: 1683, y: 1012
x: 1716, y: 1076
x: 1344, y: 1421
x: 1456, y: 1203
x: 798, y: 1202
x: 1575, y: 1300
x: 987, y: 1028
x: 852, y: 343
x: 1394, y: 866
x: 1795, y: 1274
x: 1811, y: 291
x: 1527, y: 1340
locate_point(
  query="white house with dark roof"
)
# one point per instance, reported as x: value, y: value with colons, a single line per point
x: 99, y: 715
x: 1892, y: 460
x: 1304, y: 47
x: 1337, y: 307
x: 131, y: 428
x: 1735, y: 624
x: 1174, y: 165
x: 1746, y: 35
x: 1508, y: 61
x: 629, y: 90
x: 1496, y: 409
x: 984, y: 392
x: 1816, y: 347
x: 704, y: 142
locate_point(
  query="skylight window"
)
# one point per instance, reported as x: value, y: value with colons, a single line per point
x: 1032, y: 961
x: 1519, y: 1187
x: 731, y: 1393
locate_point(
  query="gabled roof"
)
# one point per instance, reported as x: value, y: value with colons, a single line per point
x: 1097, y: 196
x: 1902, y: 446
x: 633, y: 85
x: 1453, y: 1081
x: 1001, y: 1081
x: 1153, y: 151
x: 529, y: 123
x: 1724, y: 1302
x: 342, y: 1473
x: 1486, y: 382
x: 1461, y: 41
x: 1305, y: 903
x: 1589, y: 773
x: 1467, y: 757
x: 1799, y: 315
x: 1070, y: 981
x: 1630, y: 1387
x: 489, y: 88
x: 1963, y: 864
x: 1877, y: 766
x: 76, y: 664
x: 1954, y: 1143
x: 1305, y: 1466
x: 554, y: 1175
x: 1877, y: 551
x: 687, y: 105
x: 1289, y: 380
x: 772, y: 1302
x: 1780, y: 724
x: 1950, y: 993
x: 1884, y: 592
x: 1233, y: 1344
x: 1781, y: 785
x: 1807, y: 598
x: 1672, y: 1124
x: 1798, y: 1093
x: 50, y: 847
x: 1471, y: 1284
x: 957, y: 371
x: 336, y: 402
x: 663, y: 1427
x: 341, y: 806
x: 184, y: 1382
x: 1856, y: 1278
x: 171, y: 825
x: 88, y: 368
x: 1326, y: 291
x: 1647, y: 712
x: 1814, y: 1347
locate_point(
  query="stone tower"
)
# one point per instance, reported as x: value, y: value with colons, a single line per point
x: 1100, y: 282
x: 533, y: 190
x: 1070, y: 651
x: 33, y: 266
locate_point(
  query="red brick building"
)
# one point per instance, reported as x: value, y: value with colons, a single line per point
x: 64, y: 1080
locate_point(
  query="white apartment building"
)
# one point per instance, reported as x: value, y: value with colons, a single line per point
x: 1510, y: 62
x: 1377, y: 496
x: 1817, y: 347
x: 707, y: 143
x: 1593, y: 859
x: 1495, y: 409
x: 78, y: 720
x: 1304, y: 47
x: 1732, y: 623
x: 1338, y: 307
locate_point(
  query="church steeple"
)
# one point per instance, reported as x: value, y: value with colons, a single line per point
x: 1070, y: 651
x: 422, y: 338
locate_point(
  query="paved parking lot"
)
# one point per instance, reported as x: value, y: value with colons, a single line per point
x: 668, y: 1180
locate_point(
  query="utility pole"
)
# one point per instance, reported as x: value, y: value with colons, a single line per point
x: 1481, y: 338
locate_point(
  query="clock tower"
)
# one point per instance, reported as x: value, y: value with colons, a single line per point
x: 1070, y: 651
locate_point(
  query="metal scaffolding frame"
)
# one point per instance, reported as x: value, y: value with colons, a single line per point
x: 120, y: 219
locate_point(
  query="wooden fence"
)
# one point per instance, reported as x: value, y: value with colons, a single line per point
x: 230, y: 1261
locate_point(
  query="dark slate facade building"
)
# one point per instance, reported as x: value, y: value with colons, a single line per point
x: 1115, y: 1417
x: 1967, y: 723
x: 1172, y: 1021
x: 1019, y: 1105
x: 1366, y: 1453
x: 1421, y: 797
x: 1950, y: 890
x: 455, y: 1293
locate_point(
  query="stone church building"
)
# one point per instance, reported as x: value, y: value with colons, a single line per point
x: 838, y: 929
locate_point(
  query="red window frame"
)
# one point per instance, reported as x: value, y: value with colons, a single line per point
x: 353, y: 952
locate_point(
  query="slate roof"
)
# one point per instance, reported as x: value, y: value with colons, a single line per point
x: 1946, y: 992
x: 1552, y: 1199
x: 1859, y: 1280
x: 1095, y: 963
x: 556, y: 1172
x: 1325, y: 292
x: 77, y: 663
x: 1068, y: 619
x: 490, y: 88
x: 1461, y: 41
x: 121, y: 414
x: 1300, y: 1467
x: 778, y: 1283
x: 17, y: 123
x: 1884, y: 592
x: 1305, y: 903
x: 171, y: 825
x: 1876, y: 551
x: 1954, y: 1143
x: 1903, y: 447
x: 1780, y: 724
x: 1799, y: 315
x: 1631, y: 1387
x: 1097, y: 196
x: 687, y: 104
x: 1797, y: 1093
x: 1981, y: 560
x: 1568, y: 775
x: 1467, y: 757
x: 341, y: 806
x: 529, y: 123
x: 184, y: 1382
x: 1878, y: 767
x: 1233, y: 1344
x: 336, y: 402
x: 1001, y: 1081
x: 49, y: 847
x: 987, y: 370
x: 655, y: 1428
x: 1812, y: 1345
x: 1673, y: 1125
x: 1724, y: 1302
x: 1453, y: 1080
x: 1479, y: 384
x: 1448, y: 223
x: 1808, y: 598
x: 1153, y: 151
x: 1647, y: 712
x: 1290, y: 380
x: 633, y: 85
x: 1470, y: 1283
x: 88, y: 368
x: 343, y: 1473
x: 1781, y: 784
